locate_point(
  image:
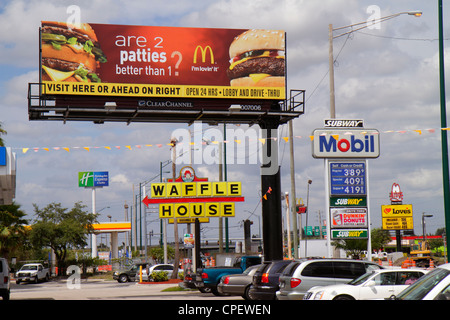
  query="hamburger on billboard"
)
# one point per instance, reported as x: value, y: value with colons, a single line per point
x: 144, y: 61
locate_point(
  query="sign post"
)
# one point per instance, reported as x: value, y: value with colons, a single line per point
x: 346, y: 145
x: 93, y: 180
x: 397, y: 216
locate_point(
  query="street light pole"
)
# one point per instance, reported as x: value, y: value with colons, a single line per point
x: 360, y: 25
x: 444, y: 143
x: 331, y: 71
x: 423, y: 224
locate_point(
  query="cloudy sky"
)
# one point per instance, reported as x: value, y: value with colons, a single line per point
x: 388, y: 76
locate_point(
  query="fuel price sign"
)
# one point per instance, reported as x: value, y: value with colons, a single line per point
x: 348, y: 178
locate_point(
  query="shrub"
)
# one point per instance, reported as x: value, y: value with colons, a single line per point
x: 159, y: 276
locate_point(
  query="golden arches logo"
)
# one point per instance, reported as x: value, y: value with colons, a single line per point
x: 203, y: 53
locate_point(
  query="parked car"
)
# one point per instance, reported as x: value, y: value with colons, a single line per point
x: 238, y: 284
x: 129, y: 273
x: 377, y: 284
x: 304, y: 274
x: 209, y: 278
x: 32, y: 272
x: 155, y: 268
x: 266, y: 280
x: 5, y: 284
x: 435, y: 285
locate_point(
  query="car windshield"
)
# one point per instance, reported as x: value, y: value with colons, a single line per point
x: 425, y: 284
x: 29, y: 268
x: 361, y: 279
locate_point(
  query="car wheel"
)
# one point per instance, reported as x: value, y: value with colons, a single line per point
x: 344, y: 298
x: 123, y: 278
x: 246, y: 294
x: 6, y: 296
x: 204, y: 290
x: 217, y: 293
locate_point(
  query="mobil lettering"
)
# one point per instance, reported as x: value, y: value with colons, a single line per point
x: 352, y: 143
x: 330, y: 144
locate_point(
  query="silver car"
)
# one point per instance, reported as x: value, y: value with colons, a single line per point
x: 301, y: 275
x: 155, y: 268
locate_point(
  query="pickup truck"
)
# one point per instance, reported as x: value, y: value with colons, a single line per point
x: 32, y: 272
x: 208, y: 278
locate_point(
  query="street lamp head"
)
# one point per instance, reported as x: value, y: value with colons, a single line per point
x: 415, y: 13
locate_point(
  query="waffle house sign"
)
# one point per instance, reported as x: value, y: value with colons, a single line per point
x: 196, y: 198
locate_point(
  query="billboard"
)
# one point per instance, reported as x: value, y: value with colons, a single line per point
x: 92, y: 179
x: 162, y: 62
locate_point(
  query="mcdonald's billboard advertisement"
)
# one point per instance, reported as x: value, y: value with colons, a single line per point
x: 162, y: 62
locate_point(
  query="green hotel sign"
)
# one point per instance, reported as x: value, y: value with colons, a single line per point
x: 92, y: 179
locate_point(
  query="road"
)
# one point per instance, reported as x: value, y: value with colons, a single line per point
x: 105, y: 290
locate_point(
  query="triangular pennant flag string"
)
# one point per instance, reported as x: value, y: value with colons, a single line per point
x: 420, y: 132
x: 269, y: 191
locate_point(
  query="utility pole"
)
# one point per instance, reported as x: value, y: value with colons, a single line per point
x: 292, y: 202
x: 173, y: 142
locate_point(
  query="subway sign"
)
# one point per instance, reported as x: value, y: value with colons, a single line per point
x: 349, y: 234
x: 346, y: 143
x: 348, y: 202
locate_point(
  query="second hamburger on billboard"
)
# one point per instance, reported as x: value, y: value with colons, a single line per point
x: 141, y: 61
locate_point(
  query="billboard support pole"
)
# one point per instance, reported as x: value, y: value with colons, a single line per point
x: 271, y: 207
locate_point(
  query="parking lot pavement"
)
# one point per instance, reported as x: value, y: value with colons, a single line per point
x: 105, y: 290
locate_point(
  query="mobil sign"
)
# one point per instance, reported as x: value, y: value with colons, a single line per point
x: 346, y: 143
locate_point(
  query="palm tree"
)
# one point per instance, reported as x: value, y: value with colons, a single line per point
x: 12, y: 228
x: 2, y: 131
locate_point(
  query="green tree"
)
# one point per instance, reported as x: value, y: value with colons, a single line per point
x: 12, y: 229
x: 61, y: 230
x: 353, y: 247
x: 157, y: 253
x: 380, y: 238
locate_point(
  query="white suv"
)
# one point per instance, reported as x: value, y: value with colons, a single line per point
x: 4, y: 279
x: 301, y: 275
